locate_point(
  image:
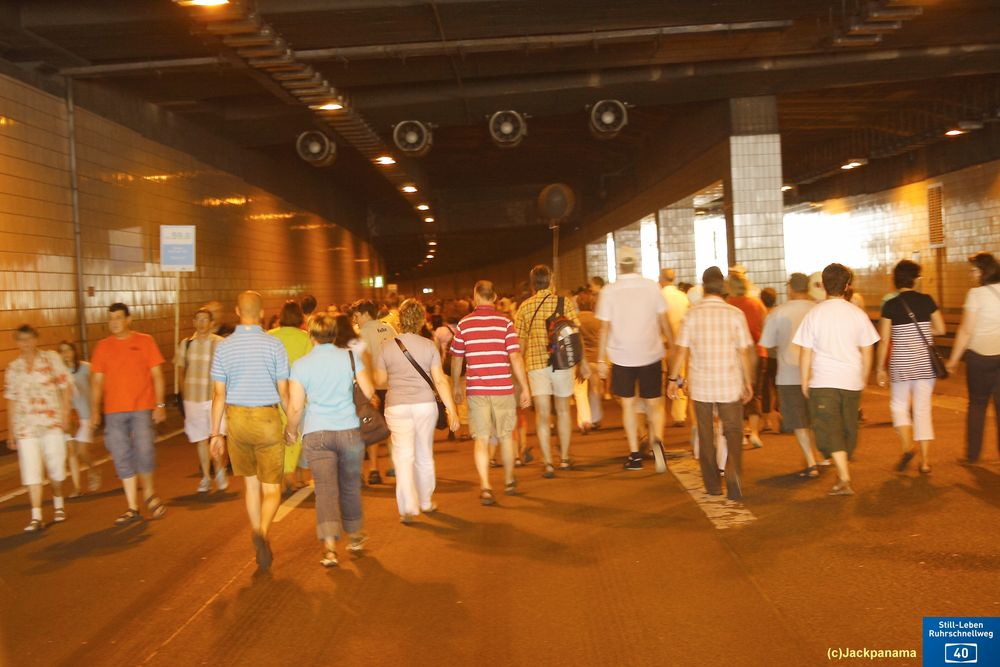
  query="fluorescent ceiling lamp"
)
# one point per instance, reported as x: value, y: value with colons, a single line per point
x: 329, y: 106
x: 385, y: 159
x: 201, y: 3
x: 423, y: 207
x: 409, y: 189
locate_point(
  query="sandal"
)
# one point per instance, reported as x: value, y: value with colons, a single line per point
x: 905, y: 461
x: 156, y: 507
x: 566, y: 464
x: 60, y: 515
x: 549, y: 472
x: 35, y: 526
x: 518, y: 463
x: 510, y: 488
x: 486, y: 497
x: 129, y: 516
x: 357, y: 543
x: 329, y: 559
x: 810, y: 472
x: 494, y: 464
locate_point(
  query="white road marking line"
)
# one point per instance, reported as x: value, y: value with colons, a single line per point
x: 294, y: 501
x: 23, y: 490
x: 722, y: 512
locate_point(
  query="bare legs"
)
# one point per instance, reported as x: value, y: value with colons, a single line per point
x: 131, y: 487
x: 77, y: 452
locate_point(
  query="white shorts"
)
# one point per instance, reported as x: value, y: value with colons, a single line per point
x: 84, y: 433
x: 50, y: 450
x: 198, y: 420
x: 547, y: 382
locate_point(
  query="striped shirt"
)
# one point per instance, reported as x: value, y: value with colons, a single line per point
x: 251, y: 363
x: 910, y: 359
x: 486, y: 339
x: 715, y: 334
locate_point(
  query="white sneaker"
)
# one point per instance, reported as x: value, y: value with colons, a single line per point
x: 221, y: 482
x: 204, y: 485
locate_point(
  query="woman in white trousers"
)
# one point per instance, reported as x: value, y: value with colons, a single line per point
x: 411, y: 366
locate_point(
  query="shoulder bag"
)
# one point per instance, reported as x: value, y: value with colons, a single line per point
x: 373, y: 427
x: 442, y: 420
x: 936, y: 361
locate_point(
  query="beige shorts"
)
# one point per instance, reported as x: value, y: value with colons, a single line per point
x: 256, y: 442
x: 492, y: 414
x: 547, y: 382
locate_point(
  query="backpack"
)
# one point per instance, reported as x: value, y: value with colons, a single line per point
x: 565, y: 343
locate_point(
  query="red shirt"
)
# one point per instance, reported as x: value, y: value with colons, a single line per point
x: 126, y: 364
x: 755, y: 312
x: 486, y: 339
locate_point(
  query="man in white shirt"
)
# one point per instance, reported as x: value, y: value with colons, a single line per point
x: 836, y: 339
x: 779, y: 327
x: 633, y: 319
x: 677, y: 307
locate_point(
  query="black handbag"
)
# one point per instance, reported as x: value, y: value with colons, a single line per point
x: 936, y: 361
x: 442, y: 421
x: 373, y: 427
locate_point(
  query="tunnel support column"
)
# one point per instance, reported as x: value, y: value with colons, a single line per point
x: 754, y: 202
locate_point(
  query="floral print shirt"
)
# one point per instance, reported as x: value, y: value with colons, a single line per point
x: 36, y: 394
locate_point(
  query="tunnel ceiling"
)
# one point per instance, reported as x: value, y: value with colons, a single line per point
x: 921, y: 65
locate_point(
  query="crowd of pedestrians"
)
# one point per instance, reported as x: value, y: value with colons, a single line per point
x: 277, y: 405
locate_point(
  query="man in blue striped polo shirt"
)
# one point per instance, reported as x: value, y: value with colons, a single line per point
x: 250, y: 376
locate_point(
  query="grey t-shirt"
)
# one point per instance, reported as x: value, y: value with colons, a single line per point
x: 405, y: 384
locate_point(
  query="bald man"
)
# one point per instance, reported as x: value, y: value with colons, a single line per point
x: 250, y: 377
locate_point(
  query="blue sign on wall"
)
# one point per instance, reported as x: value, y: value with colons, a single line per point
x: 961, y: 641
x: 177, y: 248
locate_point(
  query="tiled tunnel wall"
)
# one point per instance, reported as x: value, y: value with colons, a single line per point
x: 128, y: 187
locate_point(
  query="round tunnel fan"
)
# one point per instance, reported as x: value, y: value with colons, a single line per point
x: 507, y: 128
x: 412, y: 137
x: 608, y: 118
x: 316, y: 148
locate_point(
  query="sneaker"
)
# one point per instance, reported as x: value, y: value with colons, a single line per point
x: 634, y: 462
x: 221, y: 481
x: 329, y: 559
x: 204, y: 485
x: 357, y: 543
x: 841, y: 489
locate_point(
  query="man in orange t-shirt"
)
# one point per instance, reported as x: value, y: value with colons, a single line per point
x: 127, y: 389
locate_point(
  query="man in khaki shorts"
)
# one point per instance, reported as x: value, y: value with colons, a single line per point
x: 250, y: 376
x: 488, y: 342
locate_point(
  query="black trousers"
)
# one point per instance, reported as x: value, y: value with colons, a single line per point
x: 983, y: 381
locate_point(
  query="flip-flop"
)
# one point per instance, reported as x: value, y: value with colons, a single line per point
x: 128, y: 516
x: 810, y: 472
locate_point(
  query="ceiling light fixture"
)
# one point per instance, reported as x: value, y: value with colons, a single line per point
x: 964, y: 126
x: 201, y: 3
x: 432, y: 243
x: 385, y: 160
x: 854, y: 163
x: 409, y: 189
x: 423, y: 207
x: 430, y: 256
x: 428, y: 219
x: 329, y: 106
x: 786, y: 188
x: 954, y: 132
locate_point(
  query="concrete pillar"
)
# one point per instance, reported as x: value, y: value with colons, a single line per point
x: 676, y: 226
x: 753, y: 200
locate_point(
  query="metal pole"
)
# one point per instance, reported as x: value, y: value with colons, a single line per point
x: 177, y: 325
x: 555, y: 255
x: 74, y: 187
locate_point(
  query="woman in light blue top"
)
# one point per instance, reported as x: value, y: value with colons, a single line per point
x: 321, y: 389
x: 78, y: 442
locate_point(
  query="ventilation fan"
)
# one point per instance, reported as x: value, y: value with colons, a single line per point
x: 608, y: 118
x: 413, y: 137
x: 507, y: 128
x: 316, y: 148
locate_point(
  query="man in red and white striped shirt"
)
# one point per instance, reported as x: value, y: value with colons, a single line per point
x: 489, y: 344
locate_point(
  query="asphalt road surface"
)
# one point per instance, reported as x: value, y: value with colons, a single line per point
x: 599, y: 566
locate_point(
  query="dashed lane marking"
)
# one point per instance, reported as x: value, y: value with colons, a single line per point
x: 23, y: 490
x: 722, y: 512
